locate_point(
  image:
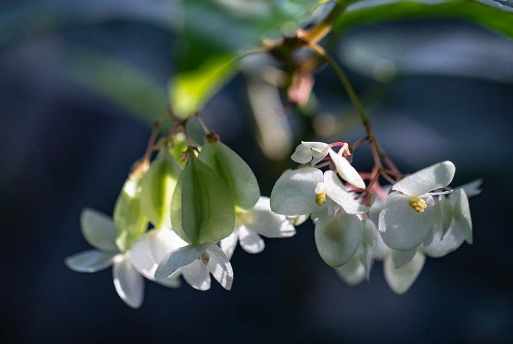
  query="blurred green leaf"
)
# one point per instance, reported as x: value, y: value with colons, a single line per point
x: 368, y: 12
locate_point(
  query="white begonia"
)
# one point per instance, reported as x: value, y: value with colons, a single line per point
x: 403, y: 267
x: 346, y: 171
x: 407, y: 217
x: 196, y: 263
x: 294, y: 193
x: 360, y: 265
x: 259, y: 221
x: 98, y: 230
x: 312, y: 152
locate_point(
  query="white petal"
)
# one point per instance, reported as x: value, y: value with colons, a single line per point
x: 381, y: 249
x: 353, y: 273
x: 98, y: 230
x: 446, y: 214
x: 473, y: 188
x: 294, y: 192
x: 337, y: 192
x: 297, y: 220
x: 338, y: 238
x: 250, y: 241
x: 149, y: 251
x: 451, y: 241
x: 220, y: 267
x: 461, y: 214
x: 319, y: 150
x: 302, y: 155
x: 128, y: 282
x: 229, y: 244
x: 369, y: 245
x: 401, y: 258
x: 175, y: 260
x: 346, y: 170
x: 196, y: 274
x: 90, y: 261
x: 264, y: 222
x: 400, y: 280
x: 430, y: 178
x: 401, y: 227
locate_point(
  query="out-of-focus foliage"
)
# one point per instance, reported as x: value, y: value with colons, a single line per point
x: 498, y: 18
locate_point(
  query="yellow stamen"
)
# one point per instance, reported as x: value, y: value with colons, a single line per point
x: 320, y: 198
x: 417, y: 204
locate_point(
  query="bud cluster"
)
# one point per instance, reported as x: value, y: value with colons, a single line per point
x: 200, y: 202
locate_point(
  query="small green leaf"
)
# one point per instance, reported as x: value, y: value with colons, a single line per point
x: 129, y: 221
x: 202, y: 207
x: 158, y: 185
x: 191, y: 89
x: 234, y: 171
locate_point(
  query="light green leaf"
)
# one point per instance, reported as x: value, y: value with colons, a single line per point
x: 234, y: 171
x: 368, y: 12
x: 190, y: 90
x: 129, y: 221
x: 158, y: 185
x: 202, y: 207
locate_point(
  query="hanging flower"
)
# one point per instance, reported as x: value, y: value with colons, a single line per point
x: 408, y: 216
x: 98, y: 230
x: 257, y: 222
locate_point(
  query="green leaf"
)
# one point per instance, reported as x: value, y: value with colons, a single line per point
x: 234, y: 171
x: 158, y: 185
x: 371, y: 12
x: 191, y: 89
x: 129, y: 220
x: 202, y: 207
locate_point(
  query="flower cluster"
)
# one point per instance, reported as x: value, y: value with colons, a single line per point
x: 418, y: 216
x: 200, y: 206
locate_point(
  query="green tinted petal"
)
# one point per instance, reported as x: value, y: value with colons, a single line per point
x: 234, y: 171
x: 129, y: 220
x: 202, y: 207
x: 338, y: 238
x: 158, y: 185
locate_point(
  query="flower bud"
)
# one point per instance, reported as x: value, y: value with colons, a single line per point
x: 158, y: 185
x: 234, y: 171
x: 129, y: 220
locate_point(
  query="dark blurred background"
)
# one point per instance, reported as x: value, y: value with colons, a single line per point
x: 435, y: 89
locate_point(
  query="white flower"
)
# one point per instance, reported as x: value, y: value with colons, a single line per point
x: 403, y: 267
x: 310, y: 152
x: 99, y: 231
x: 196, y: 263
x: 295, y: 194
x: 259, y: 221
x: 407, y: 217
x: 346, y: 171
x: 360, y: 265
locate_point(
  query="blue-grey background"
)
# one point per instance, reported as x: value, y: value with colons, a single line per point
x: 65, y: 146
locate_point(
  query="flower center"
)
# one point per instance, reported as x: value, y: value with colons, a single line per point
x: 320, y: 194
x: 320, y: 198
x: 205, y: 258
x: 417, y: 204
